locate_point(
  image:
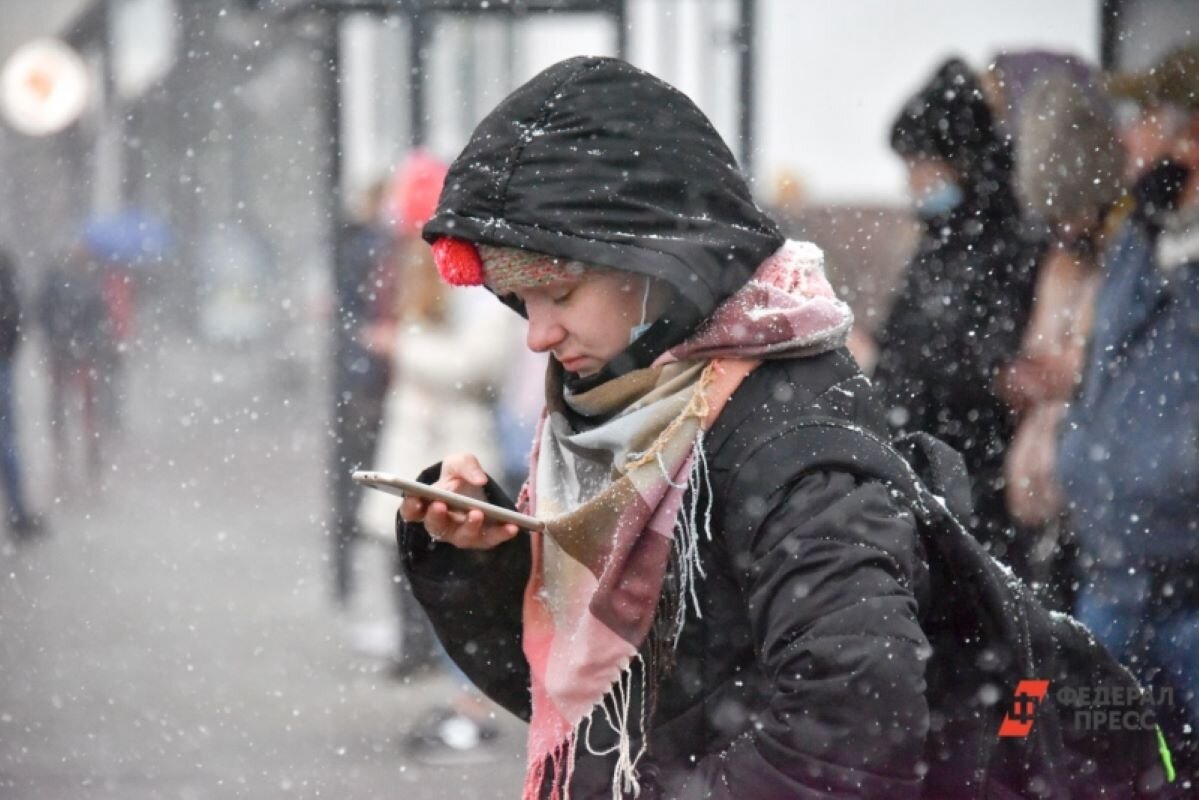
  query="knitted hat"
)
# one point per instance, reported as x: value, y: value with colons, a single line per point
x: 501, y: 269
x: 413, y: 192
x: 1069, y: 159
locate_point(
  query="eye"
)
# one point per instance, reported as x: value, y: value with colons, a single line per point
x: 560, y: 297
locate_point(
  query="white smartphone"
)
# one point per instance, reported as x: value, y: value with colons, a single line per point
x: 402, y: 487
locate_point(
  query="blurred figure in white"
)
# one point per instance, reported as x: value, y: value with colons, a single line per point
x: 452, y: 355
x: 360, y: 375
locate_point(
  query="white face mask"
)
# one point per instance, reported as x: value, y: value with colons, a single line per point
x: 636, y: 331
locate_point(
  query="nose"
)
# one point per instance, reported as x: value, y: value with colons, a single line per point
x: 544, y: 332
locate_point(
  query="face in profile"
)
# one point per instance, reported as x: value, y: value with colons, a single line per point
x: 584, y: 319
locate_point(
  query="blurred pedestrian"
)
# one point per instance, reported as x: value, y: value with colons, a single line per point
x: 22, y: 523
x: 451, y: 356
x: 966, y: 295
x: 361, y: 289
x: 80, y: 343
x: 1129, y: 455
x: 1069, y: 170
x: 120, y: 298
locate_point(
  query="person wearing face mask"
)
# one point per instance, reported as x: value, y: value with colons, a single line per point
x: 1128, y: 458
x: 965, y: 298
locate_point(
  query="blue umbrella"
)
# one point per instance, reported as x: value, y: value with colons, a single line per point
x: 128, y: 237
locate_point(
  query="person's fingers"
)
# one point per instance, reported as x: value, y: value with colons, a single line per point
x: 465, y: 466
x: 468, y: 530
x: 472, y: 529
x: 498, y: 534
x: 437, y: 520
x: 412, y: 509
x: 484, y: 537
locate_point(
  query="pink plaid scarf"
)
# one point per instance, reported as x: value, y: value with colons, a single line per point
x: 614, y: 496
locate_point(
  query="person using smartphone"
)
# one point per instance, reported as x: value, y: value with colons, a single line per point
x: 697, y: 620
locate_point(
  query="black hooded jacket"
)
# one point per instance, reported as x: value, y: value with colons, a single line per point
x: 804, y: 677
x: 966, y: 297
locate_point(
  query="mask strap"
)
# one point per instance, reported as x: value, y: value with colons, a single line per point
x: 637, y: 330
x: 645, y: 300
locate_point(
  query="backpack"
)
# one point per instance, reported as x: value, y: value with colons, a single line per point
x: 997, y: 728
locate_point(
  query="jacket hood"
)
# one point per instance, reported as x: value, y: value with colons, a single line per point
x: 596, y: 161
x: 948, y: 118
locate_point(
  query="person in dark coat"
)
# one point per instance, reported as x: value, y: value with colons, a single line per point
x: 965, y: 299
x: 360, y: 375
x: 22, y: 523
x: 758, y: 635
x: 81, y: 343
x: 708, y: 605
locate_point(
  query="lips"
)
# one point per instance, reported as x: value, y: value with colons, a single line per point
x: 572, y: 364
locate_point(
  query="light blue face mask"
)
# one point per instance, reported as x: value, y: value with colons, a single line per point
x: 939, y: 200
x: 636, y: 331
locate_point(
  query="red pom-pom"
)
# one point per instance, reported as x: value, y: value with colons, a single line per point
x: 458, y: 262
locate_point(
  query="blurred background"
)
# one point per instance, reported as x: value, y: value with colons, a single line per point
x: 208, y: 206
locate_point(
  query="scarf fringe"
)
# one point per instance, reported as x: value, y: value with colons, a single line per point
x: 551, y: 767
x: 621, y: 695
x: 617, y: 707
x: 688, y: 528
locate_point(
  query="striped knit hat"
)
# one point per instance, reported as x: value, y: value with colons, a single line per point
x: 501, y: 269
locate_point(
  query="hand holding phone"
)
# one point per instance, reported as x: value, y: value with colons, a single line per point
x: 453, y: 510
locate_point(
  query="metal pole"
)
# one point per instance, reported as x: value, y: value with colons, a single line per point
x: 620, y: 15
x: 745, y: 44
x: 331, y: 62
x: 1110, y: 26
x: 109, y: 147
x: 419, y: 30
